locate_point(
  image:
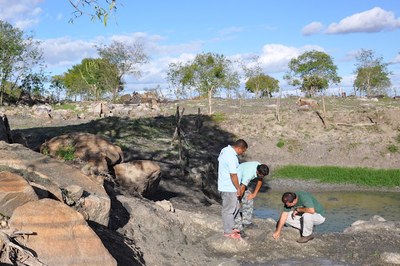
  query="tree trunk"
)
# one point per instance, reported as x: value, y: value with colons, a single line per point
x: 210, y: 93
x: 278, y: 105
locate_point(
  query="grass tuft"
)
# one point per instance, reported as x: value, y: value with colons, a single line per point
x: 342, y: 175
x: 67, y: 153
x: 280, y: 143
x: 393, y: 148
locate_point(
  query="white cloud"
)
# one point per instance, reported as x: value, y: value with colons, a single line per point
x: 275, y: 57
x: 153, y: 46
x: 312, y: 28
x: 21, y: 13
x: 64, y: 52
x: 347, y: 81
x: 396, y: 60
x: 373, y: 20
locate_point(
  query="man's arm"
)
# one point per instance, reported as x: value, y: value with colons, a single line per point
x: 235, y: 181
x: 304, y: 210
x: 258, y: 187
x: 281, y: 223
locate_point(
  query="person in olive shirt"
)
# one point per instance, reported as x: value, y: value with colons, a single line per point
x: 302, y: 211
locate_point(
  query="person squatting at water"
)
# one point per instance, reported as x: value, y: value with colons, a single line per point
x: 302, y: 211
x: 228, y: 185
x: 247, y: 172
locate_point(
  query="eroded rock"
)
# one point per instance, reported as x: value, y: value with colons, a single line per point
x: 14, y: 192
x: 93, y: 149
x: 62, y: 236
x: 49, y: 175
x: 140, y: 176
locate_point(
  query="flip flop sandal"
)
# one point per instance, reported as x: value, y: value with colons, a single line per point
x: 233, y: 235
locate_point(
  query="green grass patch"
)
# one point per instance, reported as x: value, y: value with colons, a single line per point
x: 67, y: 153
x: 393, y: 148
x: 342, y: 175
x: 64, y: 106
x: 218, y: 117
x: 280, y: 143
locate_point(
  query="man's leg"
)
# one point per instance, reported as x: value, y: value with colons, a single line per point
x: 247, y: 209
x: 238, y: 219
x: 230, y: 208
x: 309, y: 220
x: 294, y: 222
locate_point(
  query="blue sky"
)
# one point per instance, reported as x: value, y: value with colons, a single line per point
x: 172, y: 31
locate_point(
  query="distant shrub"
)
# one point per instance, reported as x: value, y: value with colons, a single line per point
x: 280, y: 143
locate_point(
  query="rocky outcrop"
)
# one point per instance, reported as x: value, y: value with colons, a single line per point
x: 375, y: 225
x: 14, y: 192
x: 97, y: 151
x: 61, y: 235
x: 168, y: 238
x: 140, y: 176
x: 48, y: 176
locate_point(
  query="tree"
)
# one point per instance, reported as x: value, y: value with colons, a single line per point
x: 92, y: 78
x: 33, y: 83
x: 212, y: 72
x: 20, y: 57
x: 102, y: 9
x: 207, y: 73
x: 126, y: 58
x: 57, y: 86
x: 372, y: 75
x: 312, y: 72
x: 181, y: 77
x: 262, y: 85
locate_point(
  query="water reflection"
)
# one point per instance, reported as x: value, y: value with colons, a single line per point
x: 342, y: 208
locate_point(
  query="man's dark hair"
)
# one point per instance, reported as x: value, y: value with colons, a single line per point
x: 288, y: 197
x: 263, y: 169
x: 240, y: 143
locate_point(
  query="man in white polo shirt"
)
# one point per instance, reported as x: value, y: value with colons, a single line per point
x: 228, y: 185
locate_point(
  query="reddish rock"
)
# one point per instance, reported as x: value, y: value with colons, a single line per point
x: 62, y: 236
x: 140, y: 176
x: 14, y: 192
x: 96, y: 150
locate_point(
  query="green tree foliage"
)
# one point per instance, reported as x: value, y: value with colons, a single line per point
x: 181, y: 77
x: 91, y: 79
x: 262, y: 85
x: 207, y: 73
x: 57, y: 86
x: 372, y: 75
x: 33, y: 83
x: 96, y: 9
x: 312, y: 72
x: 126, y: 58
x: 20, y: 58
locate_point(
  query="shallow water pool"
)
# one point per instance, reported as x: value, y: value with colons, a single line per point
x: 342, y: 208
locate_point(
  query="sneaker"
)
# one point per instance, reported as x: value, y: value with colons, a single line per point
x: 305, y: 239
x: 233, y: 235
